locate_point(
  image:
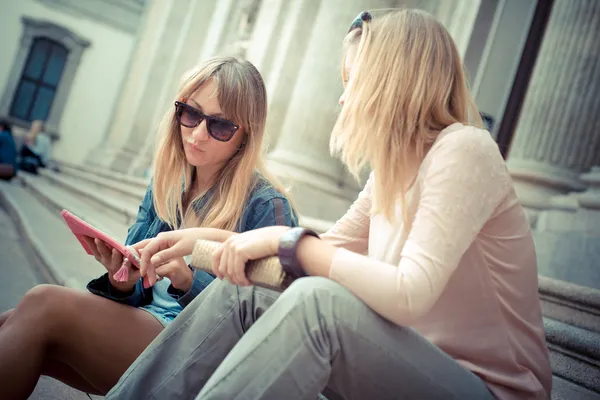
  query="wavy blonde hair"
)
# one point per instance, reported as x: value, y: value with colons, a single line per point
x: 407, y: 84
x: 243, y: 98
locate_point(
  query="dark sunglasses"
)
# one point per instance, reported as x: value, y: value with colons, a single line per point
x: 364, y: 16
x: 218, y: 128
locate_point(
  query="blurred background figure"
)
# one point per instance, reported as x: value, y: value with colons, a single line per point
x: 8, y: 152
x: 36, y: 149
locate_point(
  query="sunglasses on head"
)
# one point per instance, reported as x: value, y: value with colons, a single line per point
x: 364, y: 16
x: 218, y: 128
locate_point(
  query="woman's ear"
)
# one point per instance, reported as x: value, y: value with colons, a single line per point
x: 243, y: 144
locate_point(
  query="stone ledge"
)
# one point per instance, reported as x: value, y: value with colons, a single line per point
x: 574, y: 353
x: 569, y: 256
x: 47, y: 235
x: 106, y: 173
x: 56, y: 199
x: 570, y: 303
x: 565, y: 390
x: 133, y: 185
x: 134, y: 193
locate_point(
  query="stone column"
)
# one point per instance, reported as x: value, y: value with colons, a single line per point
x: 172, y: 39
x: 184, y: 39
x: 285, y: 61
x: 225, y: 33
x: 558, y: 135
x: 266, y: 35
x: 143, y: 58
x: 458, y: 16
x: 302, y: 151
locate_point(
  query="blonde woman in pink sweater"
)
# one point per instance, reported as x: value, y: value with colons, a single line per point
x: 425, y: 289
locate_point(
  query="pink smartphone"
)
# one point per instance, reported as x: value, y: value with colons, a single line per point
x: 81, y: 228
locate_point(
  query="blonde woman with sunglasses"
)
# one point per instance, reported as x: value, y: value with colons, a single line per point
x: 208, y: 174
x: 425, y: 289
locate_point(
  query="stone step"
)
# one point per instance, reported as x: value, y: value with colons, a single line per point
x: 131, y: 187
x: 570, y: 303
x: 57, y: 197
x: 115, y: 209
x: 109, y: 186
x: 580, y: 251
x: 574, y: 354
x: 565, y: 390
x: 131, y: 181
x: 49, y: 237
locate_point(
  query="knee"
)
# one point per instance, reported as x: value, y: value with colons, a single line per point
x: 5, y: 316
x: 41, y: 303
x: 313, y: 288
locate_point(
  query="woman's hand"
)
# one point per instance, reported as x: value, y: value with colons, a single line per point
x: 112, y: 260
x: 166, y: 251
x: 229, y: 261
x: 178, y: 272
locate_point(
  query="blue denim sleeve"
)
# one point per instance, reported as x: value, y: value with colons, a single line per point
x: 8, y: 150
x: 144, y: 218
x: 263, y: 210
x: 273, y: 211
x: 201, y: 281
x: 137, y: 232
x: 102, y: 287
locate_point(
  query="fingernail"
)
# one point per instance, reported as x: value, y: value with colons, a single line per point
x: 114, y: 251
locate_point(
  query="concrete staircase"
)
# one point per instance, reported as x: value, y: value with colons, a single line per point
x: 109, y: 201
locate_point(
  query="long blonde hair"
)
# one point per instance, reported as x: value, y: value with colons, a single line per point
x: 243, y: 98
x: 407, y: 85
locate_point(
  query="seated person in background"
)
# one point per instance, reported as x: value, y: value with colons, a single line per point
x: 8, y: 152
x: 36, y: 150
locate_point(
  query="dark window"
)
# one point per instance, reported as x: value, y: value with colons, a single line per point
x: 39, y: 80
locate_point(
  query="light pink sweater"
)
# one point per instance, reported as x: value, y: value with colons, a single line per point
x: 465, y: 275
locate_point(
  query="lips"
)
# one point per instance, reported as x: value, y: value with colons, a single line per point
x: 194, y: 147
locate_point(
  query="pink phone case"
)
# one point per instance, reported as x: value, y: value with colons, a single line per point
x: 81, y: 228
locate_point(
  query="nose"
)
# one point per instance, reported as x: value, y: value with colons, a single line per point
x: 341, y: 99
x: 200, y: 133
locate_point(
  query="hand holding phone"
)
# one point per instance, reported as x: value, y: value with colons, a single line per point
x: 122, y: 275
x: 121, y: 262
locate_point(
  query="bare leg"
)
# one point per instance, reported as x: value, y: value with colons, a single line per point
x: 93, y: 336
x: 58, y: 370
x: 68, y: 376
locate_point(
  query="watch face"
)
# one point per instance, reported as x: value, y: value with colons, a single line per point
x: 287, y: 245
x: 287, y: 242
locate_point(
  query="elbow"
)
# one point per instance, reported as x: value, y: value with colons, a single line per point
x: 409, y: 310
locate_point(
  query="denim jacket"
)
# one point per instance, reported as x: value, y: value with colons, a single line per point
x: 265, y: 207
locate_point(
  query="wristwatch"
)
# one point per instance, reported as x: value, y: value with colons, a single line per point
x: 288, y: 245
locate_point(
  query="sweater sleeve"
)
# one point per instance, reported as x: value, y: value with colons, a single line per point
x: 463, y: 180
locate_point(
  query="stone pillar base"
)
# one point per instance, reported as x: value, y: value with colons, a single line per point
x: 537, y: 183
x: 315, y: 191
x: 122, y: 160
x: 574, y: 212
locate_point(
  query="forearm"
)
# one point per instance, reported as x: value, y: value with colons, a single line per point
x: 315, y: 256
x: 214, y: 234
